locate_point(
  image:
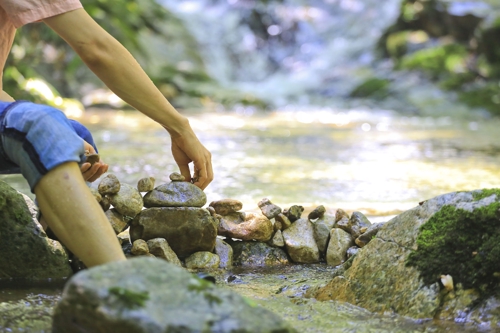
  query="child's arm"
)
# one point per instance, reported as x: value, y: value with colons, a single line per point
x: 116, y: 67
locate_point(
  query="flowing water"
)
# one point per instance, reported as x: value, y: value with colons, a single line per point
x: 378, y: 162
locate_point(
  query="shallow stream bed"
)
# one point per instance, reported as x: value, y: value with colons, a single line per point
x: 377, y: 162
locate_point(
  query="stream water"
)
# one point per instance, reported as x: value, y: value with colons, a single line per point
x: 378, y: 162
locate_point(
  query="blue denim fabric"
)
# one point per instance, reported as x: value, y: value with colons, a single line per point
x: 35, y: 139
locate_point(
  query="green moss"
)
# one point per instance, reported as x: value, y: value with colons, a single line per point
x: 464, y: 244
x: 485, y: 96
x: 373, y: 87
x: 129, y: 298
x: 486, y: 193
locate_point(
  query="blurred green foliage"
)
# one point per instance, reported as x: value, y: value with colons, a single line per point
x: 158, y: 39
x: 372, y: 87
x: 460, y: 52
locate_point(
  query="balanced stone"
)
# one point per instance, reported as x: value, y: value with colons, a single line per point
x: 128, y: 201
x: 175, y: 194
x: 159, y: 248
x: 317, y: 213
x: 294, y: 213
x: 124, y: 237
x: 186, y: 229
x: 109, y: 185
x: 146, y: 184
x: 145, y: 295
x: 339, y: 214
x: 370, y: 233
x: 247, y: 226
x: 269, y: 209
x: 278, y: 240
x: 176, y: 177
x: 26, y: 251
x: 285, y: 222
x: 226, y: 206
x: 300, y: 243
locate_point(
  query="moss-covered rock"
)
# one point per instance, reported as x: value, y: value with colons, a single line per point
x: 455, y: 234
x: 25, y: 250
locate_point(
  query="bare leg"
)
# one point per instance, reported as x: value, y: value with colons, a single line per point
x: 76, y: 218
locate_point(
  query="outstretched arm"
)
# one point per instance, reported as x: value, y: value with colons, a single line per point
x: 118, y: 69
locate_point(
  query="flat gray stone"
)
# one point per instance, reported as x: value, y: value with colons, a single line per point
x: 175, y: 194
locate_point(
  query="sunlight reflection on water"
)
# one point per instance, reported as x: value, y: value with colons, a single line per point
x: 324, y: 157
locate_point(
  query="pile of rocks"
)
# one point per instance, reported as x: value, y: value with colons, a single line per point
x: 174, y: 225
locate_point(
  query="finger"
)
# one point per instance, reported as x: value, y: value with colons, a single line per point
x: 100, y: 170
x: 85, y: 167
x: 202, y: 175
x: 89, y: 174
x: 184, y: 168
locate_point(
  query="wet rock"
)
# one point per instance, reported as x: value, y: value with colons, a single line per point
x: 300, y: 243
x: 105, y: 203
x: 26, y: 251
x: 269, y: 209
x: 225, y: 253
x: 354, y: 224
x: 186, y: 229
x: 294, y: 213
x: 370, y: 233
x: 226, y: 206
x: 247, y: 226
x: 285, y: 222
x: 339, y: 242
x: 399, y: 270
x: 277, y: 226
x: 278, y: 240
x: 322, y: 227
x: 145, y: 295
x: 352, y: 251
x: 317, y: 213
x: 146, y: 184
x: 96, y: 194
x: 253, y: 254
x: 109, y: 185
x: 140, y: 247
x: 175, y: 194
x: 202, y: 260
x: 128, y: 201
x: 176, y: 177
x: 116, y: 220
x: 159, y: 248
x: 124, y: 237
x: 339, y: 214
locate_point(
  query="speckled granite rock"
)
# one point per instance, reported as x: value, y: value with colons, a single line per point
x: 251, y: 254
x: 226, y: 206
x: 128, y: 201
x: 109, y: 185
x: 159, y: 248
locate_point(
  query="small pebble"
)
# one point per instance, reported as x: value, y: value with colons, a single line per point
x: 177, y: 177
x: 140, y: 248
x: 109, y: 185
x: 146, y: 184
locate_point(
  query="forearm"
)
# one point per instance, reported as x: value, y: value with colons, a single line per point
x: 5, y: 97
x: 116, y: 67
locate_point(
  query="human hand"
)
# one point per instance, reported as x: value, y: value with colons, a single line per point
x: 186, y: 148
x: 92, y: 172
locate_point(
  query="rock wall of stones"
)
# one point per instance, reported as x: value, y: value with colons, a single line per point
x: 438, y: 260
x: 174, y: 217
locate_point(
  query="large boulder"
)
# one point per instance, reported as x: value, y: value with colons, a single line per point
x: 401, y: 270
x: 186, y: 229
x: 175, y: 194
x: 152, y: 296
x: 25, y: 249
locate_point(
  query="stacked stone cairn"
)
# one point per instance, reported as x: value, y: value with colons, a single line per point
x: 170, y: 223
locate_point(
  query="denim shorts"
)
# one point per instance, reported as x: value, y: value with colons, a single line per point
x: 35, y: 139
